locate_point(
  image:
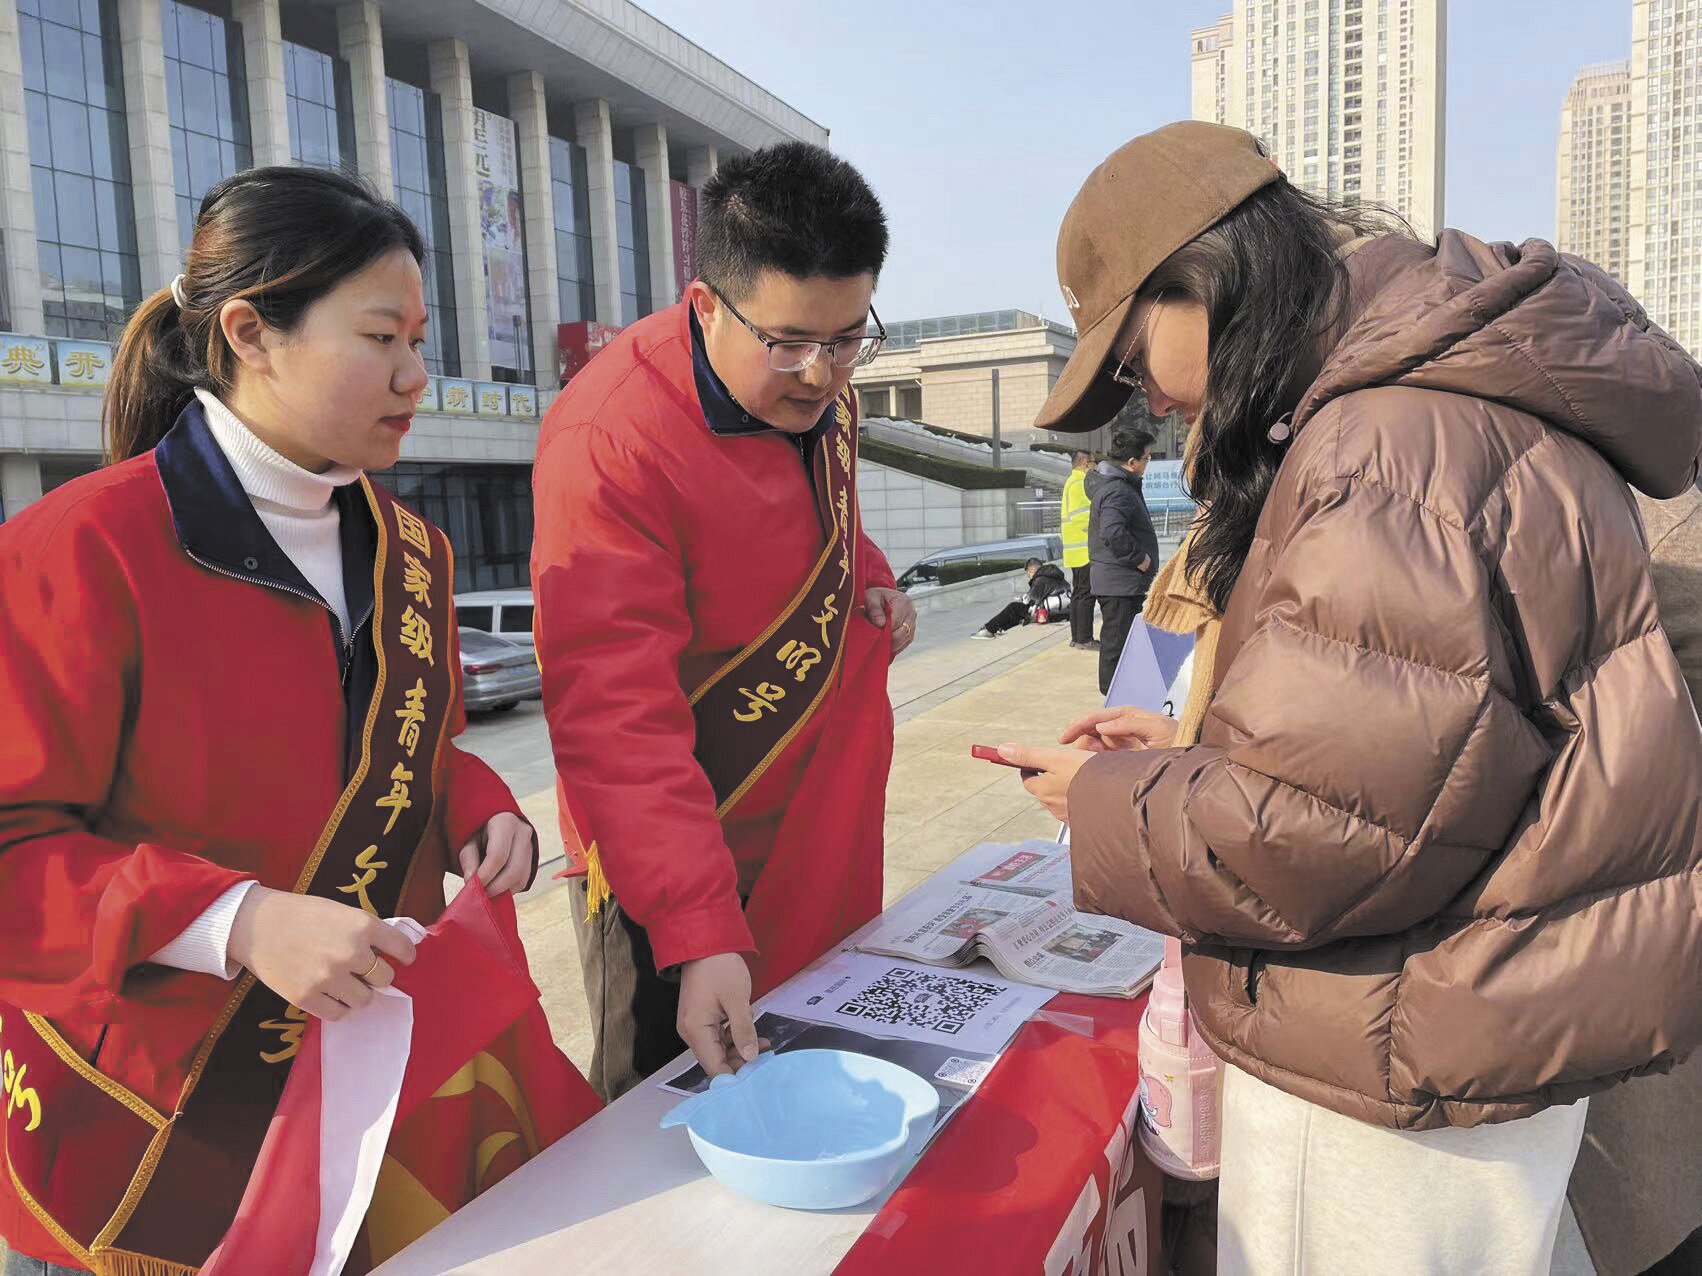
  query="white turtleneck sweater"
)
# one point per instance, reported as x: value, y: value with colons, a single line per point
x: 297, y: 509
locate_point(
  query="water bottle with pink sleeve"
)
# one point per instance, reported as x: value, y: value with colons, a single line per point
x: 1181, y: 1080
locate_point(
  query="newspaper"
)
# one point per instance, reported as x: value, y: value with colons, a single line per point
x: 1018, y: 913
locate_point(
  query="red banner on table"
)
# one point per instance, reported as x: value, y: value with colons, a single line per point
x: 1042, y: 1170
x: 682, y: 200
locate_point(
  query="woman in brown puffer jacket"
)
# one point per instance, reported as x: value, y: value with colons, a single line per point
x: 1430, y: 826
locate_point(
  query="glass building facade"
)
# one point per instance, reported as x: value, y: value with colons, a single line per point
x: 422, y: 189
x: 208, y: 93
x: 570, y: 191
x: 633, y: 237
x: 321, y: 107
x: 486, y: 511
x: 79, y: 166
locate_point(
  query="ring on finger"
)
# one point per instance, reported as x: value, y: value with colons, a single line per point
x: 370, y: 970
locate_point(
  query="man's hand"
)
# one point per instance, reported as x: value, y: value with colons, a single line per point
x: 882, y: 606
x: 1047, y: 773
x: 1124, y: 727
x: 501, y: 854
x: 715, y: 1012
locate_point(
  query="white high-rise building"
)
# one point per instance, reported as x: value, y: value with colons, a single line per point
x: 1350, y: 95
x: 1593, y: 166
x: 1664, y: 268
x: 1211, y: 70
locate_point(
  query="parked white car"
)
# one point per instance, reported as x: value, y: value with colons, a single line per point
x: 506, y: 613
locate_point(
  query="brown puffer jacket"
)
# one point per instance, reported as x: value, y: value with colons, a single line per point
x: 1439, y: 852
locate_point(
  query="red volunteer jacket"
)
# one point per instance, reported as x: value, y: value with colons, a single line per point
x: 662, y: 548
x: 166, y: 731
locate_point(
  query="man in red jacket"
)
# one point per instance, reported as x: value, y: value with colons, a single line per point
x: 713, y: 626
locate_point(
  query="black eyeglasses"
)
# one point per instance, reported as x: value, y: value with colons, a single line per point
x: 800, y: 356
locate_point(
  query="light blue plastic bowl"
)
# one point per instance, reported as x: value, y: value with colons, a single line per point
x: 810, y: 1130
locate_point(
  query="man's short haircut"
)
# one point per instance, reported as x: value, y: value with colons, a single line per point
x: 1076, y: 458
x: 795, y: 208
x: 1129, y: 443
x: 1034, y: 562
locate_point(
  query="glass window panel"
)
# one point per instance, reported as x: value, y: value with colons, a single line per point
x: 94, y: 71
x: 69, y: 127
x: 82, y: 273
x: 76, y: 198
x: 112, y: 275
x: 223, y: 33
x: 41, y: 137
x: 109, y: 146
x: 52, y: 274
x: 29, y: 44
x: 132, y: 268
x: 194, y: 36
x: 229, y: 162
x: 107, y: 220
x: 32, y: 7
x: 46, y: 216
x: 315, y: 142
x: 205, y: 164
x: 200, y: 101
x: 62, y: 56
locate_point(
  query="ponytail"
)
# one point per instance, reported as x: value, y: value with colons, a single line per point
x: 279, y: 238
x: 154, y: 374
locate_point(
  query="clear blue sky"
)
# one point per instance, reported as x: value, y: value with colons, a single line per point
x: 976, y: 122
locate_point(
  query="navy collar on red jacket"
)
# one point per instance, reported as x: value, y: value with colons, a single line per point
x: 218, y: 527
x: 724, y: 415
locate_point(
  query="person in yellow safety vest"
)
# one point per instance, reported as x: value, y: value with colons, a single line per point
x: 1073, y: 514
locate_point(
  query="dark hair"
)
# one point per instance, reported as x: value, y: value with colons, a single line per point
x: 1130, y: 443
x: 1273, y: 285
x: 1034, y: 562
x: 279, y: 238
x: 1080, y: 455
x: 794, y: 208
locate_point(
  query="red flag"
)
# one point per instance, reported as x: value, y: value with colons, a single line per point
x: 400, y: 1114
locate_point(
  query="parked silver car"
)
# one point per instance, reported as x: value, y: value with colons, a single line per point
x: 992, y: 558
x: 504, y: 612
x: 496, y: 673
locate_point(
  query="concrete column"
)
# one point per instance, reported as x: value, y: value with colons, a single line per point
x: 20, y: 472
x: 21, y: 263
x: 360, y: 43
x: 532, y: 139
x: 594, y: 130
x: 452, y: 81
x: 147, y: 114
x: 701, y: 163
x: 268, y: 96
x: 650, y: 144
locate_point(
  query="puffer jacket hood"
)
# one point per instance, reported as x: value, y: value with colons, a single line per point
x: 1438, y: 854
x: 1540, y: 331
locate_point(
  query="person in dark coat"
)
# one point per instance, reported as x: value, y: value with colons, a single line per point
x: 1044, y: 581
x: 1121, y: 543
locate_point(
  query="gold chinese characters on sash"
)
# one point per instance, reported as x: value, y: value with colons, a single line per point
x: 755, y: 704
x: 155, y: 1191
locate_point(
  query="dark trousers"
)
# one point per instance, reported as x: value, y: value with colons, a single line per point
x: 1010, y: 616
x: 1117, y: 617
x: 633, y: 1009
x: 1081, y: 604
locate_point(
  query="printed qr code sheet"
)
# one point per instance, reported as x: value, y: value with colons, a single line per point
x: 939, y: 1002
x: 878, y: 995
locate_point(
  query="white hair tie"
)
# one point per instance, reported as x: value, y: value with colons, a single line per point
x: 177, y: 292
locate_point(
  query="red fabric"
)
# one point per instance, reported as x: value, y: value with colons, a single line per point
x: 472, y: 993
x: 1041, y: 1171
x: 165, y: 732
x: 660, y: 551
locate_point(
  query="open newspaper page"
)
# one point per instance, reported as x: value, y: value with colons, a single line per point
x: 1018, y: 911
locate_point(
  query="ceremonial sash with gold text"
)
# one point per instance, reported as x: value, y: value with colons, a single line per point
x: 133, y: 1191
x: 751, y: 708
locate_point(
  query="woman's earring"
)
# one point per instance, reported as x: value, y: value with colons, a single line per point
x: 1280, y: 432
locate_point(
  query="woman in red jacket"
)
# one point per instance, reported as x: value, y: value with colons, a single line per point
x: 228, y: 695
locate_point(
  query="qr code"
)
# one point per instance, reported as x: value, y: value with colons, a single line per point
x: 939, y: 1002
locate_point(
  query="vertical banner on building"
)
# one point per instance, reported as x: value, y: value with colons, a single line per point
x: 497, y: 158
x: 682, y: 199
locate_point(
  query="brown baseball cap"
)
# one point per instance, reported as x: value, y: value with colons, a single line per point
x: 1152, y: 196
